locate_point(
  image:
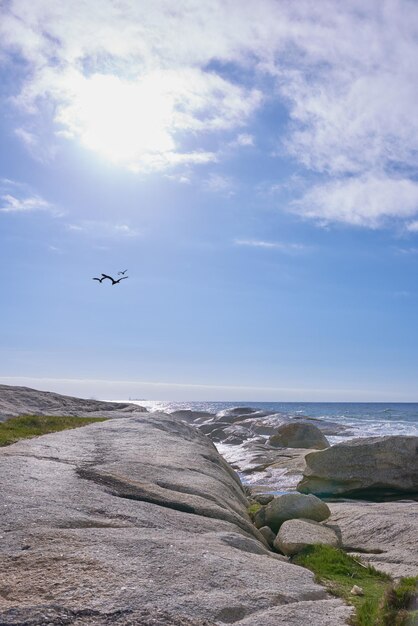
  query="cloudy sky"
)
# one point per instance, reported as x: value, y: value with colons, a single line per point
x: 253, y: 165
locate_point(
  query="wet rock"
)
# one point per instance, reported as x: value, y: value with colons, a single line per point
x: 373, y: 467
x: 234, y: 440
x: 208, y: 427
x: 191, y: 416
x: 240, y: 410
x: 297, y: 534
x: 215, y: 430
x: 299, y: 435
x: 291, y: 506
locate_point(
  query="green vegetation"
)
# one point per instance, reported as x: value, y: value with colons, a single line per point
x: 383, y: 603
x: 400, y: 604
x: 32, y: 425
x: 253, y: 508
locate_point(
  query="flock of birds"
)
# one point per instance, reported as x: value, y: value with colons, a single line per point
x: 114, y: 282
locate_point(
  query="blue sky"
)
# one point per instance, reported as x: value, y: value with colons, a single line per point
x: 254, y: 166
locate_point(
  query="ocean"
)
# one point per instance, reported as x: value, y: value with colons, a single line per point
x: 341, y: 421
x: 361, y: 419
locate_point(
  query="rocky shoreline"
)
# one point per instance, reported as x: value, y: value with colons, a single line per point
x: 139, y: 520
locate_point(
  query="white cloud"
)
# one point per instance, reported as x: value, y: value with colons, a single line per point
x: 140, y: 95
x: 361, y: 201
x: 134, y: 90
x: 218, y: 183
x: 412, y: 226
x: 243, y: 139
x: 271, y: 245
x: 101, y: 229
x: 12, y: 204
x: 18, y: 197
x: 183, y: 178
x: 411, y: 250
x: 27, y: 137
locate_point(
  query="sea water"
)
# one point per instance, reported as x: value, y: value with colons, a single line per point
x: 361, y: 419
x: 357, y: 419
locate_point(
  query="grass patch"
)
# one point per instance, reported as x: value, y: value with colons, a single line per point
x: 383, y: 603
x: 26, y: 426
x: 400, y: 603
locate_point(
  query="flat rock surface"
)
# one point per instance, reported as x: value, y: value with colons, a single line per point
x: 16, y: 401
x: 139, y: 521
x: 382, y: 533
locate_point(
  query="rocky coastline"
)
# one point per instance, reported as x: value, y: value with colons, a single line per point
x: 140, y: 520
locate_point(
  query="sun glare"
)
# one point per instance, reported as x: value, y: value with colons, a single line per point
x: 123, y: 121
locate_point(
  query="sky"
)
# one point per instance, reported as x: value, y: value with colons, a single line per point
x: 254, y: 168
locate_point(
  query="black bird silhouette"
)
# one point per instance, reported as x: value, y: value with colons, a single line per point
x: 99, y: 279
x: 114, y: 282
x: 124, y: 272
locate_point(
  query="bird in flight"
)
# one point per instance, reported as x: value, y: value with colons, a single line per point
x: 121, y: 273
x: 114, y: 282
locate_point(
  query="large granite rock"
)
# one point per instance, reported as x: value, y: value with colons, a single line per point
x: 299, y: 435
x: 25, y: 401
x: 291, y: 506
x: 381, y: 533
x: 297, y: 534
x: 137, y: 521
x: 372, y: 467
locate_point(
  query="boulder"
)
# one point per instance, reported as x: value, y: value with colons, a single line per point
x: 191, y: 416
x: 373, y: 467
x: 214, y: 430
x: 268, y: 535
x: 263, y: 498
x: 240, y: 410
x: 297, y: 534
x: 291, y: 506
x: 299, y: 435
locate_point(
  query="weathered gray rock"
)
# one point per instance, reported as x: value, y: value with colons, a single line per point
x: 191, y: 416
x: 268, y: 535
x: 291, y: 506
x: 297, y: 534
x: 384, y: 534
x: 140, y: 515
x: 263, y: 498
x: 215, y: 430
x: 25, y: 401
x: 299, y: 435
x: 372, y: 467
x: 240, y: 410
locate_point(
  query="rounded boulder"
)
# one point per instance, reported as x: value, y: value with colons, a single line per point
x: 297, y: 534
x: 293, y: 506
x: 299, y: 435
